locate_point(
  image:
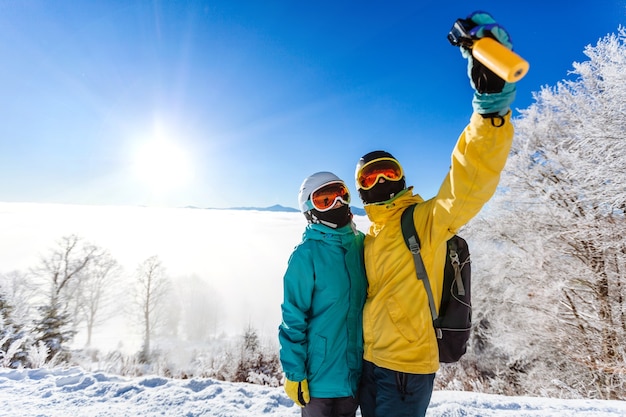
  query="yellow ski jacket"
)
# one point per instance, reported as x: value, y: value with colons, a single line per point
x: 397, y: 324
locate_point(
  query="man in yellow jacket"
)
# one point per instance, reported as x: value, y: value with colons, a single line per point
x: 400, y: 347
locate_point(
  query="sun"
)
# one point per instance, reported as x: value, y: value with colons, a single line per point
x: 162, y: 164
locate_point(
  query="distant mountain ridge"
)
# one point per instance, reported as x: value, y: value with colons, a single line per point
x: 275, y: 207
x: 278, y: 208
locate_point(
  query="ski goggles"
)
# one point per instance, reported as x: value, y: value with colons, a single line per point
x: 325, y: 197
x: 369, y: 174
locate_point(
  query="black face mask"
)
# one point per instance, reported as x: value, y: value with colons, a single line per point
x: 382, y: 191
x: 334, y: 218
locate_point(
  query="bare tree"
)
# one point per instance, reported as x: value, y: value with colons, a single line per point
x: 99, y: 287
x: 152, y: 287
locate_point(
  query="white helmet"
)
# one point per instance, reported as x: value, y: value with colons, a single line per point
x: 311, y: 184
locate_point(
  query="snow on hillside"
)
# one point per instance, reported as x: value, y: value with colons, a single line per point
x: 73, y: 392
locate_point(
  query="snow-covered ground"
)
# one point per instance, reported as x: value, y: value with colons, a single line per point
x: 72, y: 392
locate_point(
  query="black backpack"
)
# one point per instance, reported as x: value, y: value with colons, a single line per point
x: 454, y: 321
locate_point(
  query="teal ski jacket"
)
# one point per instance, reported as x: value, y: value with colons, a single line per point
x: 321, y: 335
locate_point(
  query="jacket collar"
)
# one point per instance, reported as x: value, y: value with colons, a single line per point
x: 380, y: 213
x: 343, y: 235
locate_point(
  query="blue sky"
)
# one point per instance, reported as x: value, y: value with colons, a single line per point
x: 233, y: 103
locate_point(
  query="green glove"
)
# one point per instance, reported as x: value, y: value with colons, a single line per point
x: 493, y: 96
x: 298, y: 391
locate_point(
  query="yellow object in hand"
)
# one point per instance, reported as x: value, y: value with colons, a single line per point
x: 298, y: 391
x: 498, y: 58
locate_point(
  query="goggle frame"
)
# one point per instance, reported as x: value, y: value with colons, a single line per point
x: 337, y: 197
x: 380, y: 174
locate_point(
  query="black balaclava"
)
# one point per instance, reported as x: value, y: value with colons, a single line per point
x: 334, y: 218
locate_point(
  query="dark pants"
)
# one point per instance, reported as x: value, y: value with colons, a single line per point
x: 387, y: 393
x: 331, y: 407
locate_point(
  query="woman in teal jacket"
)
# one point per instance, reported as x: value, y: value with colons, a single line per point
x: 321, y: 334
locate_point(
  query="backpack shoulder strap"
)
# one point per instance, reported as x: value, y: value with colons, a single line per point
x: 412, y: 241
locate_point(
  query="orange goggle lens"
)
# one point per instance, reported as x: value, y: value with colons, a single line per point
x: 325, y: 197
x: 370, y: 173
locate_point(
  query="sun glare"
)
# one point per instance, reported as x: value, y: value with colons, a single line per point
x: 162, y: 165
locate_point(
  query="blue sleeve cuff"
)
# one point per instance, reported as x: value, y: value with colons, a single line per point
x: 498, y: 103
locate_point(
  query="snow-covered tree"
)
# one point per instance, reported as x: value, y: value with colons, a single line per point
x: 61, y: 272
x: 549, y: 258
x: 257, y: 365
x: 54, y: 331
x: 20, y: 292
x: 13, y: 338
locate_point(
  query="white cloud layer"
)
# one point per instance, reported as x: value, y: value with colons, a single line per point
x: 241, y: 254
